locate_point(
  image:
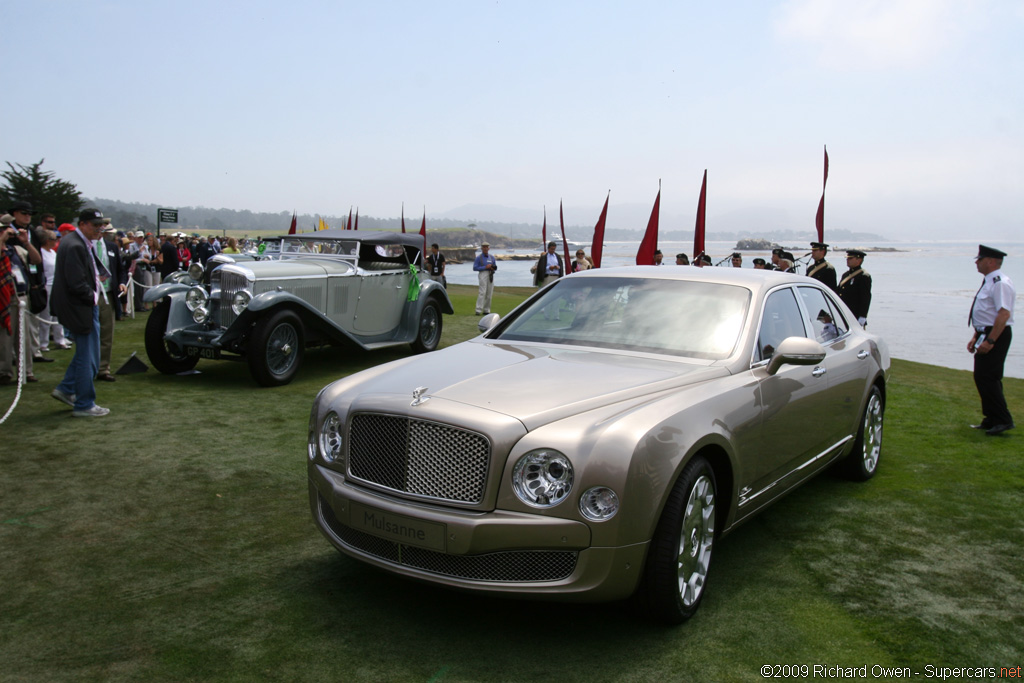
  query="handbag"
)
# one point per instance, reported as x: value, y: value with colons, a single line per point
x: 36, y: 299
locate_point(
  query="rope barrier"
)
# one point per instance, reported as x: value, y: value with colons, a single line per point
x: 21, y: 359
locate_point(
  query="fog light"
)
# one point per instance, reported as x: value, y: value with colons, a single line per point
x: 240, y: 301
x: 542, y: 478
x: 330, y: 437
x: 599, y: 503
x: 195, y: 297
x: 201, y: 314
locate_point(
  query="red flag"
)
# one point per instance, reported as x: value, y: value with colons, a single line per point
x: 597, y: 246
x: 698, y: 230
x: 819, y: 219
x: 544, y: 231
x: 565, y: 242
x: 291, y: 230
x: 423, y: 231
x: 403, y: 218
x: 357, y: 219
x: 349, y: 226
x: 649, y: 244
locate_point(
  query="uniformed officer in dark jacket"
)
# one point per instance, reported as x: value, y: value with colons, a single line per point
x: 821, y: 270
x: 855, y: 285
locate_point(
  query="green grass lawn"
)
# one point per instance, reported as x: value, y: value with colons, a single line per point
x: 172, y: 541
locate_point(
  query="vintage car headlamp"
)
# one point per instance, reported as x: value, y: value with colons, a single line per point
x: 240, y: 301
x: 542, y: 478
x: 330, y: 437
x: 201, y: 314
x: 195, y: 271
x: 195, y: 297
x: 599, y: 503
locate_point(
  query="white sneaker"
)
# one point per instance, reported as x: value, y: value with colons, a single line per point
x: 95, y: 411
x: 63, y: 398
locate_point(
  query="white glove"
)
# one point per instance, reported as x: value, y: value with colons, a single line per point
x: 863, y: 322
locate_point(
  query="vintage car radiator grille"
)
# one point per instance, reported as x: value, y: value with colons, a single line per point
x: 509, y: 566
x: 229, y: 284
x: 416, y: 456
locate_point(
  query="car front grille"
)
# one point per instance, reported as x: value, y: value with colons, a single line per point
x: 420, y: 457
x: 227, y: 283
x: 517, y: 566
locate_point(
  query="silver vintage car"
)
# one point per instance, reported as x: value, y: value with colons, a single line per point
x: 597, y: 442
x: 338, y: 287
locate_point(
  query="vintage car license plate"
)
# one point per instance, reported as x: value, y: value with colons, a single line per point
x: 397, y: 528
x: 202, y: 352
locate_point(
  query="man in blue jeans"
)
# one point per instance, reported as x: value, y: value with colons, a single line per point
x: 77, y: 280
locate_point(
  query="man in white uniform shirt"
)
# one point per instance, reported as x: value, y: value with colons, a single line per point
x: 992, y: 319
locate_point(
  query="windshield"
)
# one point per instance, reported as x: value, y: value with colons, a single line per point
x: 315, y: 246
x: 677, y: 317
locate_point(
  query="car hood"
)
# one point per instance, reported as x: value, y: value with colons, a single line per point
x: 535, y: 384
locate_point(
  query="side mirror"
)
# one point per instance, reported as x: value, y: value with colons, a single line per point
x: 488, y: 321
x: 796, y: 351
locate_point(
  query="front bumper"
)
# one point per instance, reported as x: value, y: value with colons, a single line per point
x: 498, y: 552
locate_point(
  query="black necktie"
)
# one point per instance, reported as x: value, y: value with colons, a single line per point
x: 970, y: 316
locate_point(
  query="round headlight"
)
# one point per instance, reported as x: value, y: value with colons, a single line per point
x: 201, y: 314
x: 195, y: 297
x: 240, y: 301
x: 330, y: 437
x: 195, y: 271
x: 599, y: 503
x: 542, y: 478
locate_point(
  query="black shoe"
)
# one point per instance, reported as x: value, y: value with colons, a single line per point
x: 40, y: 359
x: 998, y: 429
x: 983, y: 425
x: 106, y: 378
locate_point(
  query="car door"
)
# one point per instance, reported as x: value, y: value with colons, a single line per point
x: 794, y: 425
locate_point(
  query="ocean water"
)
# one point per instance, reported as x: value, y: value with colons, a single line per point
x: 921, y: 294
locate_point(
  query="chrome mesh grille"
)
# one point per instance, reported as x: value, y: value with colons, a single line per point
x: 420, y: 457
x: 518, y: 566
x: 229, y: 283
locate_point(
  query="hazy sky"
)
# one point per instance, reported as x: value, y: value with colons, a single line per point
x: 316, y: 106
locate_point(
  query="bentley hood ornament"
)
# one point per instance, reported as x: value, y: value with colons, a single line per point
x: 418, y: 396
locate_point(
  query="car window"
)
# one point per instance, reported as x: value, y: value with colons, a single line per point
x: 837, y: 315
x: 781, y: 319
x: 677, y: 317
x: 822, y: 313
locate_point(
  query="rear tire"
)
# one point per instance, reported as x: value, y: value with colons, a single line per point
x: 275, y: 348
x: 163, y: 357
x: 428, y: 332
x: 679, y: 559
x: 862, y: 462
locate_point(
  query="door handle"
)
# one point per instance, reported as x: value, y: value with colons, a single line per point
x: 818, y: 372
x: 863, y: 354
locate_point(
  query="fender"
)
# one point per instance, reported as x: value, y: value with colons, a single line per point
x: 262, y: 304
x: 165, y: 289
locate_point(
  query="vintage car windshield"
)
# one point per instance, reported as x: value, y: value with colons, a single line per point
x: 676, y: 317
x: 314, y: 246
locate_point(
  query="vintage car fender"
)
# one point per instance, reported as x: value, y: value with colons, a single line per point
x: 164, y: 289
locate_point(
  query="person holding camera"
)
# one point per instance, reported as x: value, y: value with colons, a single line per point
x: 17, y: 256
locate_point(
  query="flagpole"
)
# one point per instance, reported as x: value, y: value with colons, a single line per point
x: 819, y: 218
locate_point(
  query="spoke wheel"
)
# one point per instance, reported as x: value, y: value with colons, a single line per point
x: 862, y: 463
x: 429, y: 330
x: 275, y: 348
x: 679, y: 559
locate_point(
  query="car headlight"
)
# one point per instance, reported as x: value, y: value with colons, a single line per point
x: 330, y: 437
x: 195, y: 271
x: 195, y: 297
x: 599, y: 503
x: 240, y: 301
x: 201, y: 314
x: 542, y: 478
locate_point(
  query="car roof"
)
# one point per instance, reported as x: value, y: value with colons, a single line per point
x: 368, y: 237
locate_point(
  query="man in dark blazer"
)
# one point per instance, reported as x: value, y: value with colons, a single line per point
x: 78, y: 278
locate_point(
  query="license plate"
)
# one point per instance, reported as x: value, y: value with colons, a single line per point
x: 202, y: 352
x: 398, y: 528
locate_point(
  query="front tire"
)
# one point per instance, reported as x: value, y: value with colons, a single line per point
x: 679, y: 559
x: 164, y: 358
x: 428, y: 332
x: 275, y: 348
x: 862, y: 463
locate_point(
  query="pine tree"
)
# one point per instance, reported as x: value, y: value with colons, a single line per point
x: 46, y: 193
